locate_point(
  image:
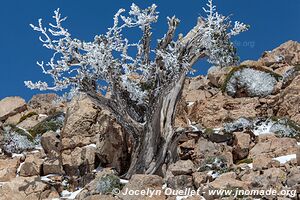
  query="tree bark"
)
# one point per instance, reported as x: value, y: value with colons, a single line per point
x: 156, y: 140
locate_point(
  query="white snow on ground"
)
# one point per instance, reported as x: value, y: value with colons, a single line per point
x: 181, y: 197
x: 217, y: 130
x: 65, y: 194
x: 38, y: 147
x: 17, y: 155
x: 123, y: 181
x: 194, y: 127
x: 285, y: 159
x: 19, y: 168
x: 47, y: 179
x: 35, y: 151
x: 213, y: 174
x: 250, y: 165
x: 263, y: 129
x: 43, y: 115
x: 190, y: 103
x: 92, y: 145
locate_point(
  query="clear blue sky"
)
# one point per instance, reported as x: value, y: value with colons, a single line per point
x: 272, y: 23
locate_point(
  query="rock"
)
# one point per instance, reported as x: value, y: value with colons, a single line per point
x: 186, y: 149
x: 86, y: 125
x: 79, y: 161
x: 81, y: 127
x: 182, y: 167
x: 51, y: 144
x: 241, y: 146
x: 100, y: 197
x: 52, y: 166
x: 269, y: 178
x: 30, y: 119
x: 180, y: 182
x: 262, y: 162
x: 13, y: 120
x: 45, y: 103
x: 143, y: 182
x: 272, y: 147
x: 21, y: 188
x: 288, y: 103
x: 207, y: 152
x: 214, y: 111
x: 293, y: 177
x: 246, y: 81
x: 111, y: 147
x: 199, y: 178
x: 32, y: 166
x: 216, y: 75
x: 288, y: 53
x: 8, y: 168
x: 298, y: 155
x: 10, y: 106
x: 228, y: 180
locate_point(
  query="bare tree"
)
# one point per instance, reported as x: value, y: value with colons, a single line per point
x: 145, y: 88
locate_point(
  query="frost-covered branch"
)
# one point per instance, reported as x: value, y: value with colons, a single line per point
x: 134, y: 81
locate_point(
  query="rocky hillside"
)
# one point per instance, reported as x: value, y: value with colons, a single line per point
x: 239, y: 128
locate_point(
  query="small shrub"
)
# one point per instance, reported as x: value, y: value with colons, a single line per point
x: 51, y: 123
x: 107, y: 183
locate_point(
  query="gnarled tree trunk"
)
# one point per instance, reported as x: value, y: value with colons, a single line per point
x: 156, y: 140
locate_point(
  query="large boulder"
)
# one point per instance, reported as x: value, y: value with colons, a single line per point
x: 214, y: 111
x: 79, y: 161
x: 229, y: 180
x: 272, y: 146
x: 45, y: 103
x: 32, y: 188
x: 81, y: 125
x: 182, y: 167
x: 32, y: 166
x: 288, y: 52
x: 288, y: 102
x: 91, y: 134
x: 51, y: 144
x: 10, y: 106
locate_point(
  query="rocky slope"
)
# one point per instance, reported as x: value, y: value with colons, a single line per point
x: 239, y: 128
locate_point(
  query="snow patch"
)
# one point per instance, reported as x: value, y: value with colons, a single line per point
x: 19, y: 169
x: 190, y: 103
x: 47, y: 179
x: 14, y: 155
x: 191, y: 125
x: 65, y: 194
x: 263, y: 128
x: 181, y: 197
x: 250, y: 165
x: 124, y: 181
x: 213, y: 174
x: 92, y: 145
x: 285, y: 159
